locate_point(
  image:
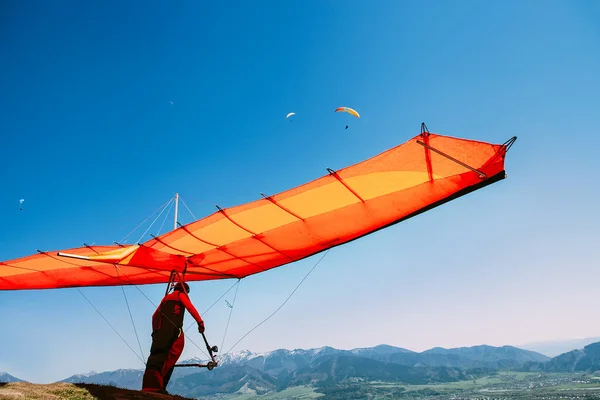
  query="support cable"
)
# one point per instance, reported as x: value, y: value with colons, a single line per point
x: 153, y: 222
x: 104, y: 318
x: 230, y: 312
x: 144, y: 221
x: 113, y: 328
x: 164, y: 220
x: 279, y: 308
x: 187, y: 208
x: 131, y: 317
x: 213, y: 304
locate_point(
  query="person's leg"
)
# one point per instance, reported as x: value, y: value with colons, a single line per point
x: 159, y: 352
x: 174, y: 354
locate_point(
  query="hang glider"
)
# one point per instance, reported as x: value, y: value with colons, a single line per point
x: 411, y: 178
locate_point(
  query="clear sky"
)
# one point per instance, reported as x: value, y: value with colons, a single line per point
x: 107, y: 109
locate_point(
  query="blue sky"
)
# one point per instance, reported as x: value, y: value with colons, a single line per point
x: 91, y: 141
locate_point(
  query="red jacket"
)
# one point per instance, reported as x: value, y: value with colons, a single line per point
x: 170, y: 311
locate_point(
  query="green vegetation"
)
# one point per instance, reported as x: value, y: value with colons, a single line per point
x: 498, y: 386
x: 503, y: 385
x: 72, y: 392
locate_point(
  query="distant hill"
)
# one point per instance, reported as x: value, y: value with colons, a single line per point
x: 4, y: 377
x: 587, y: 359
x: 343, y: 368
x: 123, y: 378
x: 554, y: 348
x: 482, y: 356
x: 251, y: 373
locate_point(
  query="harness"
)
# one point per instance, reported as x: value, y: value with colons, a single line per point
x: 169, y: 314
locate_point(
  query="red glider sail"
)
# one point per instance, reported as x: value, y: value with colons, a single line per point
x: 424, y: 172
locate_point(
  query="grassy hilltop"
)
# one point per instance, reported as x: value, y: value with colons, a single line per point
x: 71, y: 391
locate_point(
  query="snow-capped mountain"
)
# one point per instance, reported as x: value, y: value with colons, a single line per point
x: 261, y: 372
x: 282, y: 359
x: 85, y: 375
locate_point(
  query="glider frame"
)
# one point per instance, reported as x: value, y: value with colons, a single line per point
x: 209, y: 365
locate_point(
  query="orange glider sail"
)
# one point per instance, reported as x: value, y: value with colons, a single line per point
x: 426, y: 171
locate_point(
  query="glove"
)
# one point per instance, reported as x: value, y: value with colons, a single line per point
x: 201, y: 327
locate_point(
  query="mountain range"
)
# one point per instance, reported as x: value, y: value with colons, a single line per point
x: 258, y: 373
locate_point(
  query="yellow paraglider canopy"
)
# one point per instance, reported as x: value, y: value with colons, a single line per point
x: 348, y: 110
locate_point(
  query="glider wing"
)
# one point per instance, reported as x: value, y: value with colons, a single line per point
x: 236, y: 242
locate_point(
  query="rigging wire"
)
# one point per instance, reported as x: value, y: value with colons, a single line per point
x: 279, y: 308
x: 106, y: 320
x: 144, y: 221
x: 113, y: 328
x: 153, y: 222
x: 213, y: 304
x: 165, y: 219
x: 131, y: 317
x: 230, y: 312
x: 187, y: 208
x: 209, y: 205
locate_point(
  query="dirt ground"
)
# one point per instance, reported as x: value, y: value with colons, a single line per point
x: 70, y: 391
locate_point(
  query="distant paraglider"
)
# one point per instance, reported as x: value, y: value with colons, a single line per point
x: 349, y: 111
x: 21, y: 204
